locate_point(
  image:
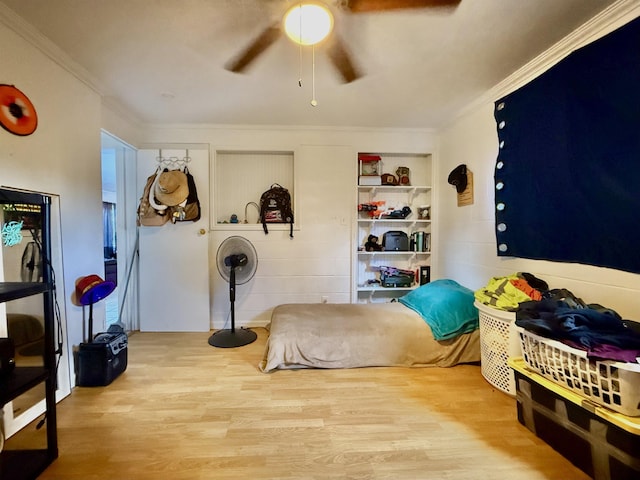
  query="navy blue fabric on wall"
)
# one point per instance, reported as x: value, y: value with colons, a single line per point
x: 567, y: 175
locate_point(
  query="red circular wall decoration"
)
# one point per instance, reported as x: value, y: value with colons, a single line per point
x: 17, y: 113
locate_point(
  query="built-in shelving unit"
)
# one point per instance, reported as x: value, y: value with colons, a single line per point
x: 417, y: 196
x: 28, y: 464
x: 240, y: 178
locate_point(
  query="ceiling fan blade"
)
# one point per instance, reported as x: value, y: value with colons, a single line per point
x: 263, y: 41
x: 341, y: 59
x: 358, y: 6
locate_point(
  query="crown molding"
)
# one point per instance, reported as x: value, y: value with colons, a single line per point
x: 34, y: 37
x: 115, y: 106
x: 605, y: 22
x: 29, y: 33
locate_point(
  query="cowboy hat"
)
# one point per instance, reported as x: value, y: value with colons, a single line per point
x: 171, y: 187
x: 458, y: 178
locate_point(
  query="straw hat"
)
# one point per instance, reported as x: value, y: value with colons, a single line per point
x: 171, y: 188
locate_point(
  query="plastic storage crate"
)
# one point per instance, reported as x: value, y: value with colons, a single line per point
x: 615, y: 385
x: 498, y: 342
x: 602, y: 443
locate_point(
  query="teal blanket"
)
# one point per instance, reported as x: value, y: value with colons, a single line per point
x: 446, y: 306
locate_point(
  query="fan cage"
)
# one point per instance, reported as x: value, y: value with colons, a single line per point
x: 236, y: 245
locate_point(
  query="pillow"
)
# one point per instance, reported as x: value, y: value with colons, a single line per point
x: 446, y: 306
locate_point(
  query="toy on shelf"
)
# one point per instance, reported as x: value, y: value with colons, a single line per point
x: 372, y: 244
x: 370, y: 166
x: 396, y: 277
x: 371, y: 208
x: 395, y: 214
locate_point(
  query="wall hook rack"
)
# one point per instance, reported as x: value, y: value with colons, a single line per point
x: 173, y: 163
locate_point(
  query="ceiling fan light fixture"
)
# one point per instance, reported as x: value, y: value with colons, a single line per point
x: 308, y: 23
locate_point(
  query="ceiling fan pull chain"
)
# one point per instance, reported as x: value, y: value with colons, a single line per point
x: 300, y: 53
x: 314, y: 102
x: 300, y: 65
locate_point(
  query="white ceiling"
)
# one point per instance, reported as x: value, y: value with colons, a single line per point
x: 163, y: 60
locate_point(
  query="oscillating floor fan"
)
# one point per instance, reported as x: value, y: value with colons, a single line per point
x: 237, y: 262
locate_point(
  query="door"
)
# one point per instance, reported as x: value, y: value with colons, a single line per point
x: 174, y: 258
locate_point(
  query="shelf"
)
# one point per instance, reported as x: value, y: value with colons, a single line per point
x: 14, y: 290
x: 248, y: 227
x: 406, y: 221
x: 375, y: 200
x: 21, y: 380
x: 28, y: 464
x: 386, y: 289
x: 394, y: 188
x: 393, y: 253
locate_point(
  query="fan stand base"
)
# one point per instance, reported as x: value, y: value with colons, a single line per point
x: 232, y: 338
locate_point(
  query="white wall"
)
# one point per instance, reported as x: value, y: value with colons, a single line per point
x: 119, y: 123
x: 61, y: 157
x: 317, y: 262
x: 468, y: 252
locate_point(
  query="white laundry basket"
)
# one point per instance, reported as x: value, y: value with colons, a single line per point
x: 498, y: 341
x: 615, y: 385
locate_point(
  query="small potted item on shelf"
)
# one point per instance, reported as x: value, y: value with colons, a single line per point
x: 370, y: 167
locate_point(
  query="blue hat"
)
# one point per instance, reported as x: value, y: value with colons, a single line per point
x: 92, y: 289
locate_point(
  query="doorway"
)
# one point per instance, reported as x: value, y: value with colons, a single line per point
x: 109, y: 224
x: 119, y: 202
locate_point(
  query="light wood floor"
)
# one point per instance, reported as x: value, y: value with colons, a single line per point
x: 186, y: 410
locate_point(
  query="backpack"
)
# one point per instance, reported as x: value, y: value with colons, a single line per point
x: 189, y: 210
x: 147, y: 215
x: 275, y: 207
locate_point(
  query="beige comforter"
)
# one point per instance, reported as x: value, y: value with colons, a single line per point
x: 359, y: 335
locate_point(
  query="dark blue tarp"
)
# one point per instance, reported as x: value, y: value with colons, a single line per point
x: 568, y: 170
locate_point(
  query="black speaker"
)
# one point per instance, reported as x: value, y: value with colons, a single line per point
x: 395, y: 241
x: 100, y: 362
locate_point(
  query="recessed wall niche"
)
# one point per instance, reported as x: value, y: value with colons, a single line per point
x: 240, y: 178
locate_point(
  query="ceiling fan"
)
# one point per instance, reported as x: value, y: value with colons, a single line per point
x: 337, y: 51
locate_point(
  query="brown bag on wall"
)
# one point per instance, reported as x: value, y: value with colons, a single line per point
x: 147, y: 215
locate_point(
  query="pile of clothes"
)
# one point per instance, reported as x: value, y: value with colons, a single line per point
x: 559, y: 315
x: 507, y: 293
